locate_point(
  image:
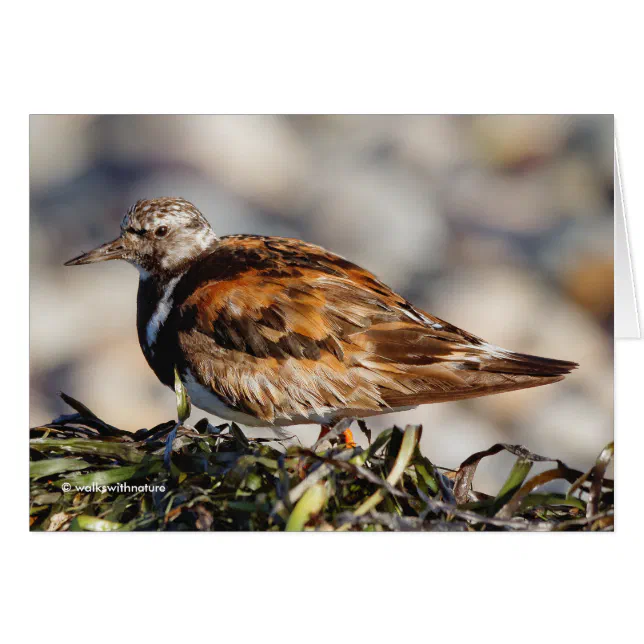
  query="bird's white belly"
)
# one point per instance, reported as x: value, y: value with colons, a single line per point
x: 203, y: 398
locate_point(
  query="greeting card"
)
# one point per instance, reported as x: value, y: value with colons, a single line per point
x: 363, y: 323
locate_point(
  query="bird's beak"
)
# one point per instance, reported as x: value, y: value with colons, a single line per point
x: 114, y: 249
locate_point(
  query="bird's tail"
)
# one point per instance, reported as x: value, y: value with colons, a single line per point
x: 522, y: 364
x: 488, y: 370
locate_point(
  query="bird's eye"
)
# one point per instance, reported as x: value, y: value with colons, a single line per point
x: 161, y: 231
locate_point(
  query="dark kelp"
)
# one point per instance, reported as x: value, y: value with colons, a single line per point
x: 88, y: 475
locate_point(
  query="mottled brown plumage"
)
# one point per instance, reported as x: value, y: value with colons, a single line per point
x: 274, y: 331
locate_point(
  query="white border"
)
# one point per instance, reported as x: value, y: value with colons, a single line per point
x: 328, y: 57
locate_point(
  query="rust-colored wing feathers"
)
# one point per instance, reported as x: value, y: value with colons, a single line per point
x: 288, y: 332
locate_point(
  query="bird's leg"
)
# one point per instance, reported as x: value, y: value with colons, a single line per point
x: 324, y: 430
x: 345, y: 436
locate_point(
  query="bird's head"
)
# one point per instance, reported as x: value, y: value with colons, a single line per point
x: 158, y: 236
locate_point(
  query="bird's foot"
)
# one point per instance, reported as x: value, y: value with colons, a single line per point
x: 345, y: 436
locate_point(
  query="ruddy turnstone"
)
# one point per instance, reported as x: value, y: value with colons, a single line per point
x: 269, y: 331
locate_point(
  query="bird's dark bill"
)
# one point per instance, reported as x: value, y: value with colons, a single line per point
x: 111, y: 250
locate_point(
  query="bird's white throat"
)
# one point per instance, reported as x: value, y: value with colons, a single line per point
x: 161, y: 312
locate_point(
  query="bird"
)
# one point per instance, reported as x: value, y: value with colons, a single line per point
x: 273, y: 331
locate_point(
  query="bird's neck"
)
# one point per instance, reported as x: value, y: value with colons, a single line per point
x: 158, y: 293
x: 155, y: 301
x: 176, y: 261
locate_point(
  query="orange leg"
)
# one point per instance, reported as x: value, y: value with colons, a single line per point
x: 324, y: 430
x: 346, y: 436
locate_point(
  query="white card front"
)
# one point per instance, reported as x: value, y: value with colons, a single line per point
x: 626, y: 317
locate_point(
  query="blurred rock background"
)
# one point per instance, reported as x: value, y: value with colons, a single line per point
x: 502, y: 225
